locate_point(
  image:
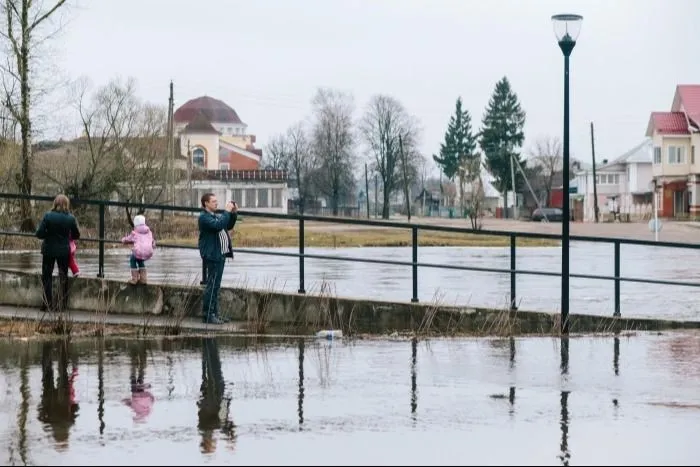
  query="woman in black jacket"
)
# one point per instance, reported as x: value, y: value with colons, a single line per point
x: 55, y: 229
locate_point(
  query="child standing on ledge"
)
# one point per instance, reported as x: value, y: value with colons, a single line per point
x: 142, y: 246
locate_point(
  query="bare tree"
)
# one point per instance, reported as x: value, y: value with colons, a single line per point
x: 385, y: 128
x: 547, y: 155
x: 21, y: 34
x: 123, y: 147
x: 333, y: 143
x: 301, y: 162
x: 276, y: 152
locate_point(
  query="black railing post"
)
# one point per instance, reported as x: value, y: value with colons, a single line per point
x: 414, y: 254
x: 513, y: 274
x: 101, y: 230
x: 301, y: 255
x: 617, y: 278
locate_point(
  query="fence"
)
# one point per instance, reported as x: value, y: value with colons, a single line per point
x: 512, y: 271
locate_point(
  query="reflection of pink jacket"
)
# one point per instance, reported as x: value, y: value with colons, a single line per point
x: 142, y: 242
x: 141, y: 403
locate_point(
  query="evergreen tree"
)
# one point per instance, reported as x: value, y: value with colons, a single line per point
x: 459, y: 146
x: 502, y: 136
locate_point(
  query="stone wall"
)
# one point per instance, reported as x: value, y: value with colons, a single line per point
x: 264, y: 310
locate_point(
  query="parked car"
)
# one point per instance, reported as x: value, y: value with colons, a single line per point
x: 551, y: 215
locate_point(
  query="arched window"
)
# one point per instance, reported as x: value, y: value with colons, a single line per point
x: 198, y: 157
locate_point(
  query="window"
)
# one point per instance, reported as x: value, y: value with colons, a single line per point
x: 198, y: 155
x: 224, y: 166
x: 692, y: 154
x: 237, y: 195
x: 676, y: 155
x: 608, y: 179
x: 250, y: 201
x: 277, y: 198
x: 657, y: 155
x: 262, y: 198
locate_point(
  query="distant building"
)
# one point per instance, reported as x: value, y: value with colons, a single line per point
x: 222, y: 158
x: 676, y: 171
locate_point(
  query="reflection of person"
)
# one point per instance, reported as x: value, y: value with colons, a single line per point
x: 55, y: 229
x: 58, y: 407
x: 214, y: 247
x: 141, y: 400
x: 213, y: 406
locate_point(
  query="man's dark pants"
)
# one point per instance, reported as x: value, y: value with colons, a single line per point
x: 210, y: 298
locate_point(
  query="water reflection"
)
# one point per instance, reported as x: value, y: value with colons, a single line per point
x: 101, y: 385
x: 564, y: 355
x: 288, y: 413
x: 58, y: 408
x: 300, y: 397
x: 414, y: 378
x: 565, y: 455
x: 214, y: 406
x: 141, y: 400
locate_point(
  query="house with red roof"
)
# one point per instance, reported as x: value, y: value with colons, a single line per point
x: 676, y: 170
x: 222, y: 158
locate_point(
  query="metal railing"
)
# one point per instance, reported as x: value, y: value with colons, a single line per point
x: 414, y: 228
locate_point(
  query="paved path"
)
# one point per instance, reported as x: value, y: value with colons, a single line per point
x: 190, y: 324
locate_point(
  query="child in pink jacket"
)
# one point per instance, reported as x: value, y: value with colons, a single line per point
x: 142, y: 247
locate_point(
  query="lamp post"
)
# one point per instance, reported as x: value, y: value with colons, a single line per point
x: 566, y: 28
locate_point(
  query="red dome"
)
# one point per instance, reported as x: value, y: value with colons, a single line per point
x: 214, y: 110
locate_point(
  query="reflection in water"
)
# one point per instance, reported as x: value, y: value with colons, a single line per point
x: 512, y: 352
x: 616, y: 356
x: 141, y: 400
x: 214, y: 407
x: 22, y: 413
x: 564, y: 354
x: 101, y: 385
x: 414, y: 378
x: 58, y: 408
x: 363, y: 413
x: 565, y: 455
x: 300, y: 404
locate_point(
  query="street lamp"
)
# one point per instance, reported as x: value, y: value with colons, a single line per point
x: 566, y: 28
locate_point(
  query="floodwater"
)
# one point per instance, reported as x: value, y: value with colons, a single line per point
x: 631, y: 400
x: 445, y: 286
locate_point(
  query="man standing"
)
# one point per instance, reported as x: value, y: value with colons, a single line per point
x: 214, y: 247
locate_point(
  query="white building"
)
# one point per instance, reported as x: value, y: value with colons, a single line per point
x: 623, y: 184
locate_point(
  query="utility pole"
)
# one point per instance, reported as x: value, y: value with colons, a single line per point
x: 595, y: 184
x: 376, y: 196
x: 367, y: 189
x: 512, y: 181
x: 405, y: 179
x: 171, y: 142
x: 189, y: 173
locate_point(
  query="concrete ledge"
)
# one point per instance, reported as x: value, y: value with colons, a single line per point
x: 285, y: 312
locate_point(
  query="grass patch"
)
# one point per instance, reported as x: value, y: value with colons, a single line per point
x: 254, y: 234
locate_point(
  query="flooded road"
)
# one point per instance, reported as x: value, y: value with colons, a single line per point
x: 633, y: 400
x: 449, y: 287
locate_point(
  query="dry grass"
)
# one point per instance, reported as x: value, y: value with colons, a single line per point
x: 254, y: 234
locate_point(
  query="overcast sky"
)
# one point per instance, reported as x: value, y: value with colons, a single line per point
x: 266, y: 57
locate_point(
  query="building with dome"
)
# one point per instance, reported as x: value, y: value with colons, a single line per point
x: 222, y: 157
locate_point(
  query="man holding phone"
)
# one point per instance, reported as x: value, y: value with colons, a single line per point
x: 214, y: 247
